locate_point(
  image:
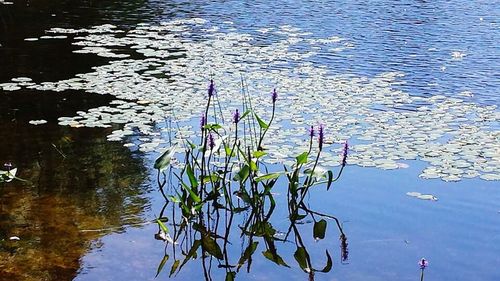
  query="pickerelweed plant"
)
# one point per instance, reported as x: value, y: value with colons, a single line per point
x: 223, y: 181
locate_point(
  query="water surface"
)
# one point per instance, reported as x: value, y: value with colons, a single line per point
x: 442, y: 47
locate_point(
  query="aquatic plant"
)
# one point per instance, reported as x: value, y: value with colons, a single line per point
x: 222, y: 189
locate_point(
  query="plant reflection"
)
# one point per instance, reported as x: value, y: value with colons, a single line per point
x: 207, y: 235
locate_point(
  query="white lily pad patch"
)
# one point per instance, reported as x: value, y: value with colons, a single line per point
x: 37, y: 122
x: 421, y: 196
x: 167, y: 79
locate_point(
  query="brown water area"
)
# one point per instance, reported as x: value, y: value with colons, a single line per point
x: 78, y: 186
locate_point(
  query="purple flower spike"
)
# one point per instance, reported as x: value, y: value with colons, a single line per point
x: 344, y: 153
x: 211, y: 88
x: 236, y: 117
x: 274, y: 96
x: 211, y: 141
x: 311, y: 132
x: 423, y: 263
x: 203, y: 122
x: 321, y: 137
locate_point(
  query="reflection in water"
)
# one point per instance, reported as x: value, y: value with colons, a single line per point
x: 77, y: 185
x: 226, y: 238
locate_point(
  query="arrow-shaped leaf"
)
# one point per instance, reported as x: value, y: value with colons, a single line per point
x: 301, y: 256
x: 262, y: 124
x: 319, y: 229
x: 160, y: 266
x: 210, y: 245
x: 164, y: 160
x: 302, y: 158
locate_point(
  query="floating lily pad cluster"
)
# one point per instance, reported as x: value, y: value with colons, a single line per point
x: 160, y: 71
x: 422, y: 196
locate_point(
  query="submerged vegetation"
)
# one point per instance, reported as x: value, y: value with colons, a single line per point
x: 224, y: 192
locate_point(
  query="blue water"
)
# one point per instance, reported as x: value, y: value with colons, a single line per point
x: 417, y: 38
x: 442, y: 47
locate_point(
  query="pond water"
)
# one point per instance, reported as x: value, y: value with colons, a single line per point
x: 369, y: 70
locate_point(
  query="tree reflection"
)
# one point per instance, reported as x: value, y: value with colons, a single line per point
x: 69, y: 201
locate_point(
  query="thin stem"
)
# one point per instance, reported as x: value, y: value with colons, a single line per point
x: 259, y: 146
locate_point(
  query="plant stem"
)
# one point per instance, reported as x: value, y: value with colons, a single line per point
x: 259, y: 146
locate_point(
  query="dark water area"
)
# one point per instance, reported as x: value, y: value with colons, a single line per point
x: 78, y: 187
x: 84, y: 212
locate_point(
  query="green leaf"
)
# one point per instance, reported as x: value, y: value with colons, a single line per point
x: 269, y: 176
x: 162, y: 226
x: 262, y: 124
x: 198, y: 227
x: 193, y: 195
x: 182, y: 203
x: 242, y: 174
x: 245, y: 114
x: 253, y: 166
x: 162, y: 263
x: 174, y: 267
x: 302, y: 158
x: 301, y: 256
x: 319, y: 229
x: 263, y: 229
x: 211, y: 178
x: 248, y: 253
x: 243, y: 194
x: 210, y: 245
x: 229, y: 151
x: 191, y: 176
x: 330, y: 180
x: 212, y: 126
x: 230, y: 275
x: 268, y: 185
x: 293, y: 181
x: 164, y: 160
x: 329, y: 263
x: 258, y: 153
x: 274, y: 257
